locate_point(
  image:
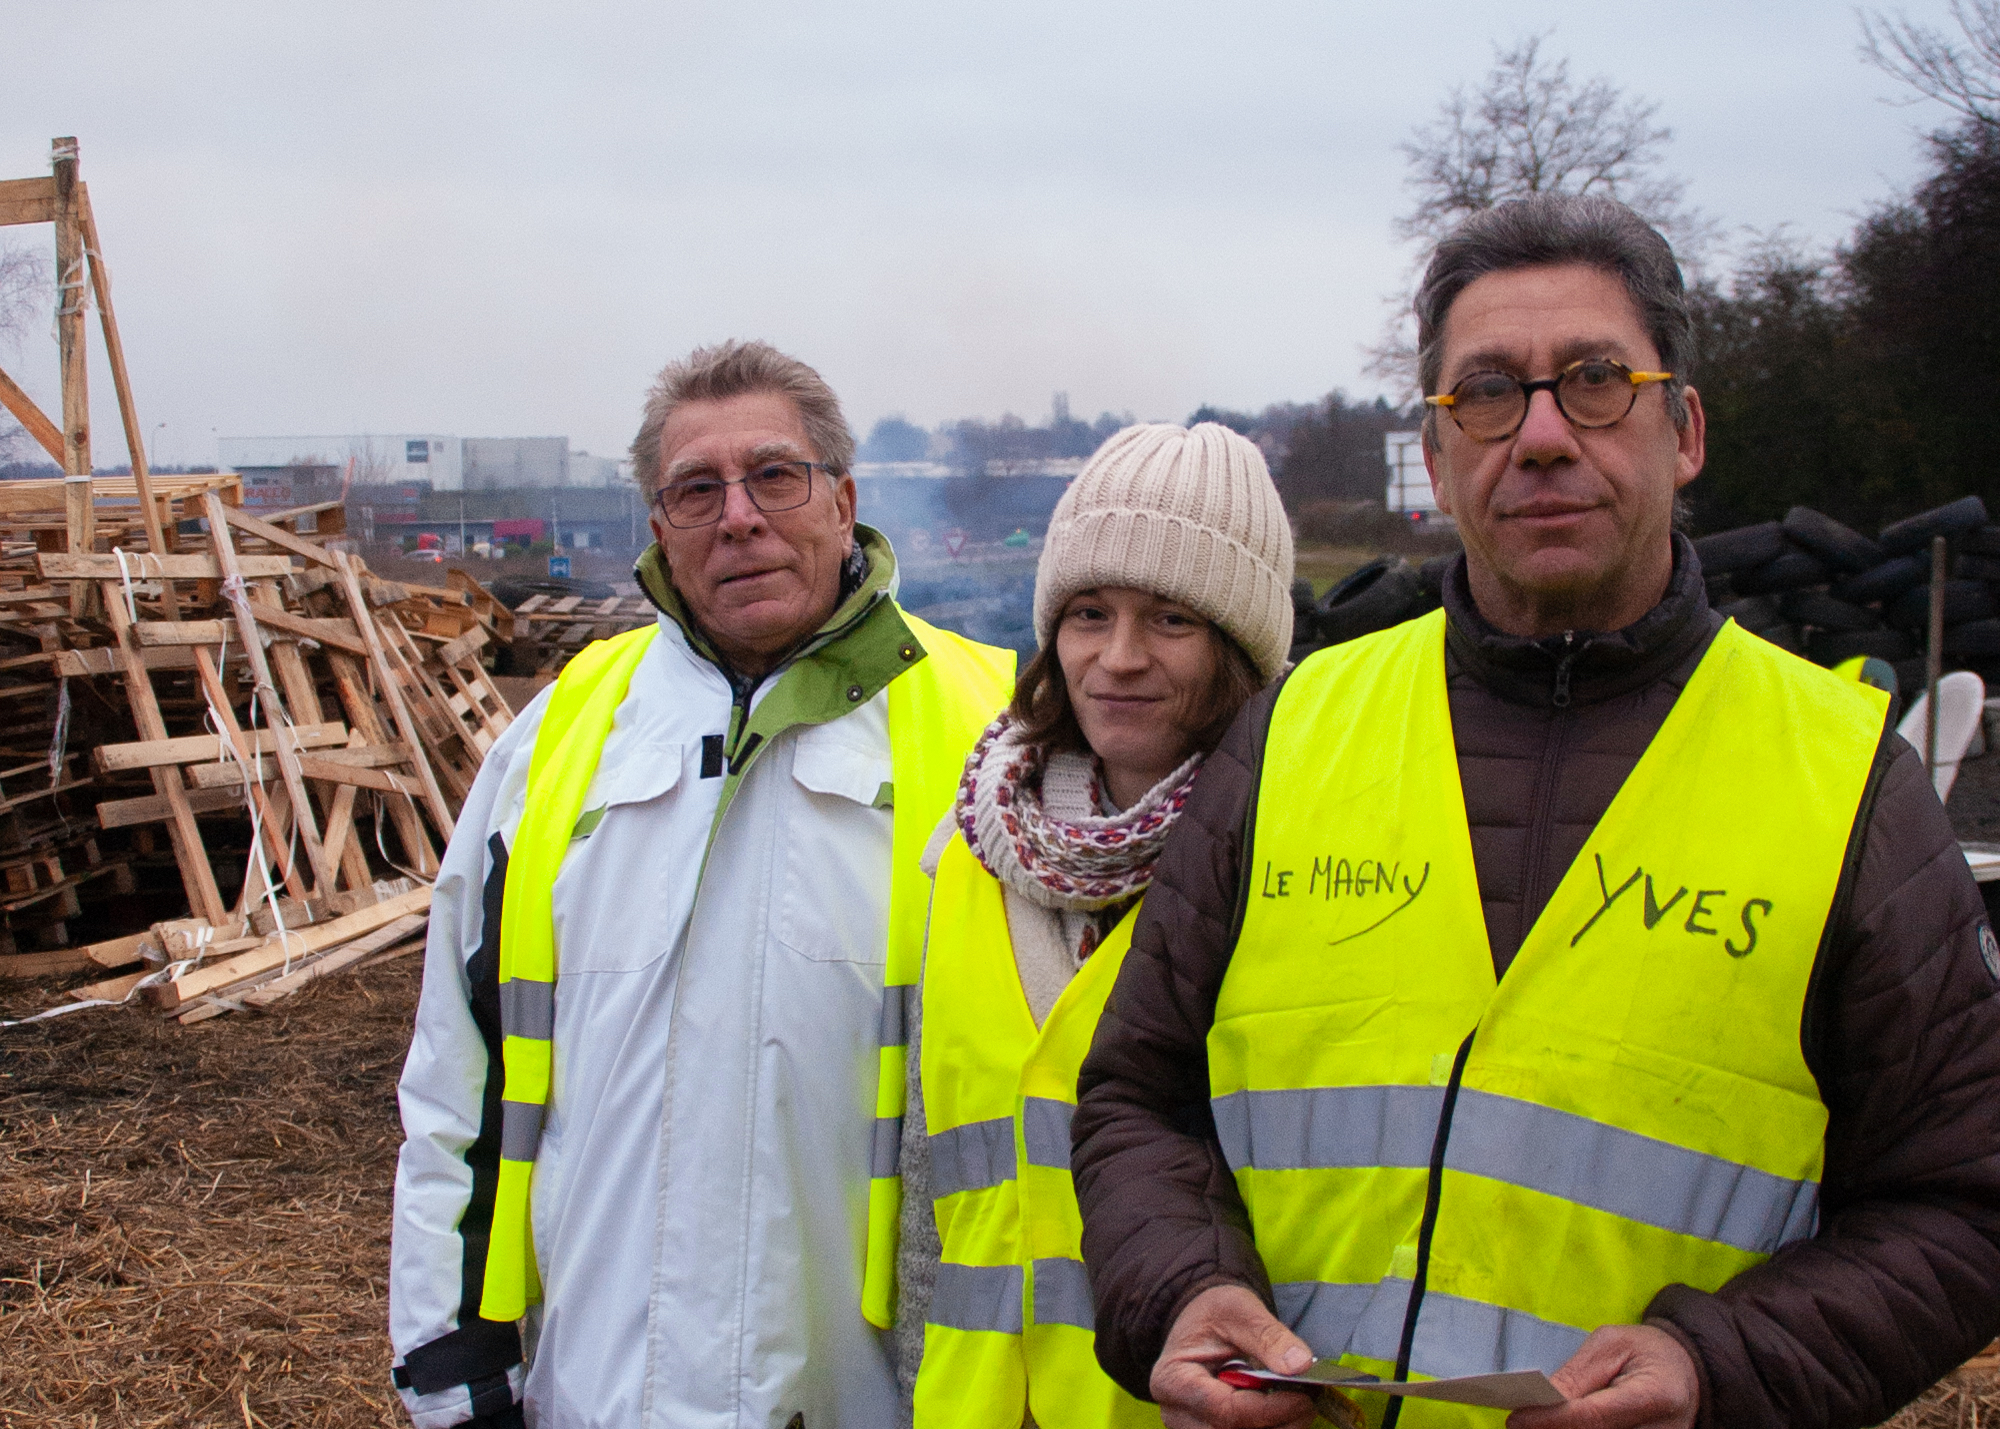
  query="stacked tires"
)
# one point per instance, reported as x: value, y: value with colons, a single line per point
x: 1807, y: 584
x: 1385, y: 592
x: 1823, y: 590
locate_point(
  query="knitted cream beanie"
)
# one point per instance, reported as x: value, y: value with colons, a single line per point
x: 1186, y: 513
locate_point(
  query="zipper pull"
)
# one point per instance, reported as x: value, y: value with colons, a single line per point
x: 1561, y: 697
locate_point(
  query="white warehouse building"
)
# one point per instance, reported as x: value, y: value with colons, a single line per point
x: 378, y: 460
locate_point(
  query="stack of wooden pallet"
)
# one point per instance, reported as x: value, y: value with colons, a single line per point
x: 207, y: 714
x: 300, y: 732
x: 561, y: 626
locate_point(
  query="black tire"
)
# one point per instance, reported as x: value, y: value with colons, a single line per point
x: 1795, y: 570
x: 1742, y: 549
x: 1383, y: 593
x: 1785, y: 637
x: 1829, y: 647
x: 1963, y: 601
x: 1910, y: 678
x: 1974, y: 640
x: 1913, y: 533
x: 1431, y: 574
x: 1842, y: 547
x: 1885, y: 582
x: 1302, y: 594
x: 510, y: 591
x: 1983, y: 542
x: 1977, y: 568
x: 1754, y: 613
x: 1827, y: 612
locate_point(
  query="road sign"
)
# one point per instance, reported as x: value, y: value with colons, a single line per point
x: 954, y: 541
x: 559, y: 568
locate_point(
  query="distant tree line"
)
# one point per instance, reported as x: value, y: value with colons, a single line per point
x: 1862, y: 382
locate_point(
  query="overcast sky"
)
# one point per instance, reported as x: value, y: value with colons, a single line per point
x: 500, y: 220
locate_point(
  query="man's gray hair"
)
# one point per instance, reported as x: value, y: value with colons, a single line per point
x: 1542, y: 232
x: 733, y: 369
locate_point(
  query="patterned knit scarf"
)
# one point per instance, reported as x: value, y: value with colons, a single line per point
x: 1038, y: 824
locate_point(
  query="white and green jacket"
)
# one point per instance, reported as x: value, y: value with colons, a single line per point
x: 700, y: 1192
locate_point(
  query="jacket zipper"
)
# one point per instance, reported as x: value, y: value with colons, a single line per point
x: 1433, y: 1194
x: 1545, y: 781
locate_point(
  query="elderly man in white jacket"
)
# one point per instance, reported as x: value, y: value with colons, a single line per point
x: 651, y: 1115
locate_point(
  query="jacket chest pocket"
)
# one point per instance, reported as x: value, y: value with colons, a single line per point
x: 833, y: 902
x: 628, y: 879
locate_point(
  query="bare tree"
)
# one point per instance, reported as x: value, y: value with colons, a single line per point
x: 1530, y: 128
x: 1964, y: 75
x: 24, y: 297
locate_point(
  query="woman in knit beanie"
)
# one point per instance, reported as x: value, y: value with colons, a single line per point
x: 1162, y: 603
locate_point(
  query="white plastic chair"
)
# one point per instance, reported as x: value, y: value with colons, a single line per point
x: 1961, y: 706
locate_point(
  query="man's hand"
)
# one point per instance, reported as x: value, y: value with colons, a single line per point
x: 1222, y: 1324
x: 1622, y: 1377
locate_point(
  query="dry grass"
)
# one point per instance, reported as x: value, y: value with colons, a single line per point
x: 194, y: 1222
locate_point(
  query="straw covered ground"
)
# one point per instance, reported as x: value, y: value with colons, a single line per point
x: 194, y: 1221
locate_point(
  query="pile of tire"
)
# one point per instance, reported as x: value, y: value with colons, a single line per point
x: 1807, y: 584
x: 1385, y: 592
x: 1813, y: 586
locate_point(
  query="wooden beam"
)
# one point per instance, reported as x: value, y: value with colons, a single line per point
x: 335, y: 772
x: 145, y: 566
x: 385, y: 677
x: 38, y: 426
x: 277, y: 536
x: 121, y: 383
x: 246, y: 625
x: 351, y: 680
x: 27, y: 201
x: 204, y: 898
x: 327, y: 631
x: 295, y: 944
x: 269, y: 824
x: 206, y: 748
x: 105, y: 661
x: 316, y: 766
x: 71, y: 279
x: 153, y: 808
x: 402, y: 930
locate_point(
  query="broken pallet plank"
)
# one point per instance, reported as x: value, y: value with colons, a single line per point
x: 205, y: 748
x: 294, y: 944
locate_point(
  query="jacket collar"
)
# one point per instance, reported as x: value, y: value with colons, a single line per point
x: 1582, y: 666
x: 868, y: 576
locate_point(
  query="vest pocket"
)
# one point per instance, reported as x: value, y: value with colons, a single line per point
x: 833, y: 859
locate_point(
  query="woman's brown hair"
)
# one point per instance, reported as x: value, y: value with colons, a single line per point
x: 1045, y: 716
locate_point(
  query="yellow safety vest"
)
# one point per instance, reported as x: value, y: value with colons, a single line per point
x: 1445, y: 1176
x: 937, y: 708
x: 1010, y: 1328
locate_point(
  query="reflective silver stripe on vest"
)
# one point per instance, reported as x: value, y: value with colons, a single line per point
x: 971, y: 1157
x: 896, y: 1000
x: 527, y: 1008
x: 1454, y: 1335
x: 1506, y: 1139
x: 1637, y: 1177
x: 885, y: 1154
x: 1316, y: 1127
x: 1062, y: 1294
x: 977, y: 1297
x: 1045, y: 1131
x: 520, y: 1129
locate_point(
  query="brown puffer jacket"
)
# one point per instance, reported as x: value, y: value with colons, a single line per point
x: 1902, y: 1279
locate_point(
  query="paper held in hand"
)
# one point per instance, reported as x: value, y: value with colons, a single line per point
x: 1516, y: 1389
